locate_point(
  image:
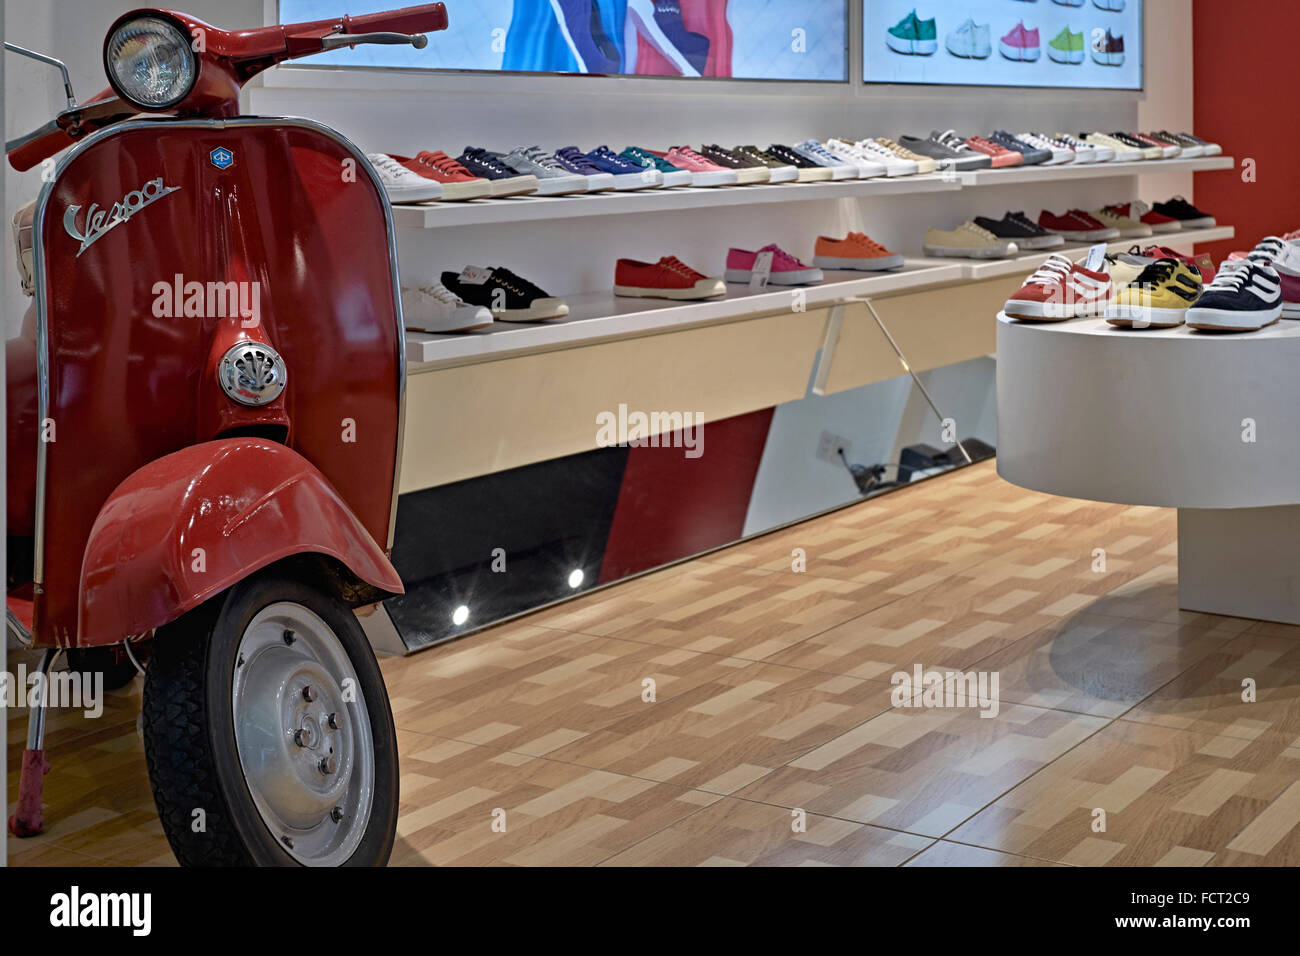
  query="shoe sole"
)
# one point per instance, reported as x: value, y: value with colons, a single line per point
x: 911, y: 47
x: 1028, y: 310
x: 459, y: 192
x: 753, y: 175
x: 472, y: 318
x: 874, y: 264
x: 1207, y: 222
x: 1069, y: 57
x: 717, y: 177
x: 785, y: 174
x: 1227, y: 320
x: 1092, y: 235
x: 819, y: 175
x: 515, y: 186
x: 794, y: 277
x: 968, y: 56
x: 562, y: 187
x: 404, y: 195
x: 1041, y: 242
x: 701, y: 291
x: 538, y: 310
x: 1018, y: 53
x: 1291, y: 310
x: 1144, y: 317
x: 679, y: 178
x: 1166, y: 227
x: 1107, y: 59
x: 971, y: 252
x: 600, y: 182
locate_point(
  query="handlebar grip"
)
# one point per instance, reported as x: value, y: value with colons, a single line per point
x: 42, y: 147
x: 426, y: 18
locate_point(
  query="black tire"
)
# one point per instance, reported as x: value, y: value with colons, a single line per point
x: 110, y: 661
x: 189, y: 735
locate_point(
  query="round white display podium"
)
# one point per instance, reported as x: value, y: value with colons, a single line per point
x: 1206, y: 423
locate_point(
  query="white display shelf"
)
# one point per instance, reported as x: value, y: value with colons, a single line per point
x: 974, y: 269
x: 602, y: 316
x: 1038, y: 174
x: 517, y: 209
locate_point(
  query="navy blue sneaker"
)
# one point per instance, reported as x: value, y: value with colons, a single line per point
x: 660, y: 23
x: 1030, y: 155
x: 576, y: 161
x: 627, y: 174
x: 1245, y: 295
x: 585, y: 35
x: 505, y: 181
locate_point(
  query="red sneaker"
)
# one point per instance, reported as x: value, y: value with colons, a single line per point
x: 1060, y: 289
x: 1143, y: 212
x: 1202, y: 263
x: 669, y: 278
x: 1000, y: 155
x: 457, y: 181
x: 1076, y: 224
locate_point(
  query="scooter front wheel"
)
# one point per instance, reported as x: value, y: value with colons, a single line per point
x: 268, y: 732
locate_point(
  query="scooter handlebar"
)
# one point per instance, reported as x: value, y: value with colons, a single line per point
x: 304, y: 39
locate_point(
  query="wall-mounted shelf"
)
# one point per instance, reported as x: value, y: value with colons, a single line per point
x: 518, y: 209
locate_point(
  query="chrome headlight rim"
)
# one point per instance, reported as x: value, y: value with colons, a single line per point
x: 158, y: 20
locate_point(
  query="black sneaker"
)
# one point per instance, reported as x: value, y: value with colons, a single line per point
x: 948, y: 150
x: 1025, y: 235
x: 1038, y: 237
x: 1244, y: 296
x: 507, y: 296
x: 782, y: 172
x: 1188, y: 215
x: 505, y: 181
x: 1031, y: 155
x: 809, y: 171
x: 748, y: 171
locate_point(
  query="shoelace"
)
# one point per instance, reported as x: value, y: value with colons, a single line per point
x: 781, y: 257
x: 575, y: 157
x: 516, y: 284
x: 607, y: 154
x: 1052, y: 272
x: 820, y: 151
x: 1156, y: 273
x: 484, y: 158
x: 692, y: 154
x: 978, y: 230
x: 867, y: 242
x: 673, y: 264
x: 440, y: 292
x: 1234, y: 274
x: 443, y: 163
x: 542, y: 158
x: 950, y: 139
x: 386, y: 164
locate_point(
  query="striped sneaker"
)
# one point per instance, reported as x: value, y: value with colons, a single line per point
x: 1245, y: 295
x: 1060, y: 289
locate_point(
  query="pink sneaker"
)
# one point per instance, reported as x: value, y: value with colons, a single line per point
x: 1020, y: 43
x: 786, y: 269
x: 704, y: 172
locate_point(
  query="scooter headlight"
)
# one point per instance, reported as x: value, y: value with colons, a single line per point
x: 150, y: 63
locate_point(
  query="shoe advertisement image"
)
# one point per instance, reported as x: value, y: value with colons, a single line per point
x: 577, y: 437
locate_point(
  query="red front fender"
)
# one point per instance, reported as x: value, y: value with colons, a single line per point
x: 191, y: 524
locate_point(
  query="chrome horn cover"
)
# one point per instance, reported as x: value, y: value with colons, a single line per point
x: 252, y: 373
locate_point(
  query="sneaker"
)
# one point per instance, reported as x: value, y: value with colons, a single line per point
x: 1190, y: 149
x: 660, y: 23
x: 552, y: 178
x: 1120, y: 153
x: 999, y: 155
x: 1108, y: 50
x: 648, y: 160
x: 924, y: 164
x: 815, y: 152
x: 1148, y: 150
x: 1033, y: 156
x: 1066, y: 47
x: 1083, y: 152
x: 1069, y: 3
x: 894, y: 164
x: 585, y: 37
x: 507, y: 296
x: 969, y: 41
x: 435, y: 308
x: 868, y: 166
x: 786, y: 269
x: 1246, y: 295
x: 1077, y: 225
x: 1167, y: 149
x: 505, y: 181
x: 704, y: 172
x: 458, y: 183
x: 575, y: 161
x: 669, y: 278
x: 947, y: 150
x: 403, y: 185
x: 1157, y: 297
x: 1211, y: 149
x: 1127, y: 266
x: 967, y: 241
x: 1061, y: 153
x: 1188, y: 216
x: 748, y: 172
x: 1284, y: 256
x: 912, y: 36
x: 809, y: 172
x: 627, y: 174
x: 1026, y: 235
x: 1060, y: 289
x: 1144, y: 214
x: 1020, y: 44
x: 782, y: 172
x: 1202, y: 263
x: 1114, y: 218
x: 857, y: 252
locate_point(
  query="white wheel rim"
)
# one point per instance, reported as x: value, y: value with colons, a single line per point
x: 311, y: 779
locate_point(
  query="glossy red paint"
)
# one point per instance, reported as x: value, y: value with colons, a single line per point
x: 189, y: 525
x: 129, y: 383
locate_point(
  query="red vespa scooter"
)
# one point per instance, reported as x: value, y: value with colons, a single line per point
x: 204, y: 437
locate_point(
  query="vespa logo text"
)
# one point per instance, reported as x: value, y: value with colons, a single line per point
x: 215, y: 300
x: 99, y: 221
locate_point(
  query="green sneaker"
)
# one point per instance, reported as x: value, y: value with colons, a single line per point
x: 648, y: 160
x: 1066, y: 47
x: 913, y: 36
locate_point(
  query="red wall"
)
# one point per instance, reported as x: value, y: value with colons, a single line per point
x: 1246, y: 72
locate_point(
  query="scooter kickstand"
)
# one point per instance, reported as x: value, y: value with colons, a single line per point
x: 26, y: 821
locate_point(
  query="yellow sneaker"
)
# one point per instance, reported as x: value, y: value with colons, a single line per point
x: 1158, y: 298
x: 924, y: 164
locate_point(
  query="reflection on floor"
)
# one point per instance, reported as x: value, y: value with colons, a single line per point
x: 1121, y: 737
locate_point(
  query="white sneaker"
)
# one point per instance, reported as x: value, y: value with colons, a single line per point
x: 1083, y: 152
x: 1060, y: 154
x: 894, y: 165
x: 435, y: 308
x: 401, y: 184
x: 868, y: 166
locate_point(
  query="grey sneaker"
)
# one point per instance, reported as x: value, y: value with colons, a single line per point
x: 552, y: 178
x: 948, y: 150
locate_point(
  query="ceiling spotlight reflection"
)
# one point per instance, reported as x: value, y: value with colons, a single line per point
x: 575, y: 578
x: 460, y: 615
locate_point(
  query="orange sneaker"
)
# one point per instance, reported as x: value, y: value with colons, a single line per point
x: 855, y: 251
x: 457, y: 181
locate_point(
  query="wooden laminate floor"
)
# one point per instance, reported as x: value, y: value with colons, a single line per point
x: 1121, y: 737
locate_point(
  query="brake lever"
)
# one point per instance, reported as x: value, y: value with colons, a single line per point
x: 336, y: 40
